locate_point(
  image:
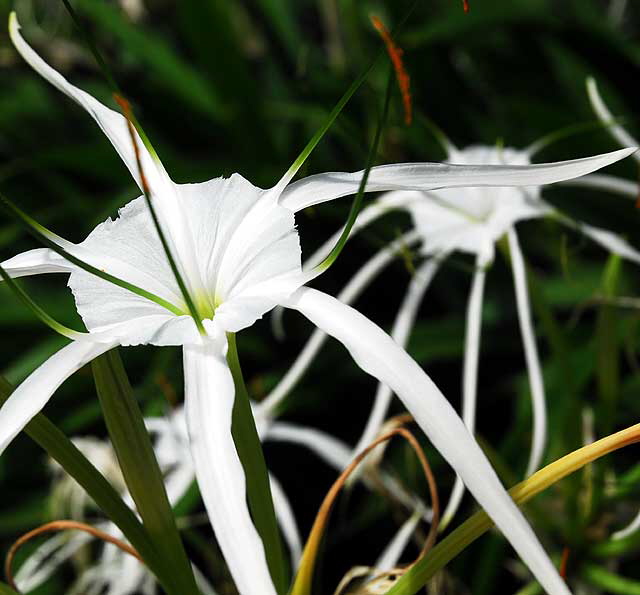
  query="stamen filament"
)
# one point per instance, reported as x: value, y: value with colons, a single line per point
x: 125, y: 106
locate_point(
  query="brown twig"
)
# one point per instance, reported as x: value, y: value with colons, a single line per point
x: 61, y: 526
x: 308, y: 557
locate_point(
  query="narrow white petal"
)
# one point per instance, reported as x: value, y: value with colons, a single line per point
x: 607, y: 183
x: 376, y: 353
x: 209, y: 397
x: 34, y: 393
x: 400, y: 332
x: 605, y: 116
x: 608, y: 240
x: 36, y: 262
x: 115, y: 127
x: 286, y: 520
x: 632, y: 527
x: 469, y: 376
x: 536, y: 383
x: 429, y: 176
x: 389, y: 557
x: 358, y: 283
x: 47, y: 558
x: 331, y: 450
x: 112, y: 123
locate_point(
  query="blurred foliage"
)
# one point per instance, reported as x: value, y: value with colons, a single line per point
x: 241, y: 86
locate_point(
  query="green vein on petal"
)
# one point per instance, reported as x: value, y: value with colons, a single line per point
x: 22, y: 295
x: 45, y: 236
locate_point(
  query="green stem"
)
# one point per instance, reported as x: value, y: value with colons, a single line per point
x: 247, y: 441
x: 140, y: 468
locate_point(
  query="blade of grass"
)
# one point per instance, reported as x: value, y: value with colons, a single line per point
x: 247, y: 441
x: 140, y: 468
x: 47, y: 435
x: 357, y: 201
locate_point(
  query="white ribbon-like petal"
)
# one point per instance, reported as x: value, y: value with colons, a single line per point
x: 607, y: 183
x: 36, y: 262
x: 536, y: 382
x: 112, y: 123
x: 286, y: 520
x: 209, y: 397
x: 358, y: 283
x: 377, y: 354
x: 115, y: 127
x: 400, y: 333
x: 388, y: 559
x: 321, y: 188
x: 34, y: 393
x: 608, y: 240
x: 331, y: 450
x: 47, y: 558
x: 469, y: 376
x: 632, y: 527
x: 605, y: 116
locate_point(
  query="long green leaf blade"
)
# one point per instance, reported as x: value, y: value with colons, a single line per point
x: 140, y: 468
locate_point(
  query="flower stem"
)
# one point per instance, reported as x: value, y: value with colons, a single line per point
x: 247, y: 441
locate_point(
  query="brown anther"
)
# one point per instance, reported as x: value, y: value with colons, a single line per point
x: 564, y: 562
x: 61, y: 526
x: 395, y: 54
x: 465, y: 5
x: 127, y: 112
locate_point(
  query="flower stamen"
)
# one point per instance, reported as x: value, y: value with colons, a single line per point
x: 395, y: 53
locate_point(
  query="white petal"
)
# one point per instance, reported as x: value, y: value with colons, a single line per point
x: 36, y: 262
x: 358, y: 283
x: 331, y: 450
x: 47, y: 558
x: 34, y: 393
x: 376, y: 353
x: 605, y: 116
x: 632, y: 527
x: 209, y: 397
x: 536, y: 383
x: 607, y: 183
x: 401, y: 331
x: 286, y: 520
x: 114, y: 126
x: 112, y: 123
x: 608, y: 240
x: 428, y: 176
x: 389, y: 557
x: 469, y: 376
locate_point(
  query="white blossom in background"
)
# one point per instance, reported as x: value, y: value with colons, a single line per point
x: 237, y: 248
x: 469, y: 220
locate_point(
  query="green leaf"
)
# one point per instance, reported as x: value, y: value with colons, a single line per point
x: 247, y: 441
x: 7, y: 590
x: 140, y: 468
x: 610, y: 582
x: 61, y: 449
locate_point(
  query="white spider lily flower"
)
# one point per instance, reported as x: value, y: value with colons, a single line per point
x: 469, y: 220
x: 238, y: 249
